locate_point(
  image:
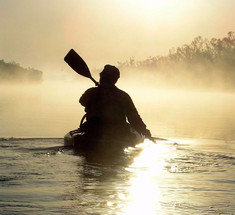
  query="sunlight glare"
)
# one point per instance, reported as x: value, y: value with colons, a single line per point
x: 144, y: 196
x: 151, y: 159
x: 148, y: 169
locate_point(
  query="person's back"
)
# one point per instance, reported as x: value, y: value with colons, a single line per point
x: 108, y: 107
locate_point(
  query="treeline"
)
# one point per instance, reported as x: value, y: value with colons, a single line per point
x: 14, y: 73
x: 204, y: 62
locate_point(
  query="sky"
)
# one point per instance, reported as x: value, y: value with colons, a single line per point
x: 39, y: 33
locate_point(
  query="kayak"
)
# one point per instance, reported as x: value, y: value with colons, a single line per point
x: 82, y: 142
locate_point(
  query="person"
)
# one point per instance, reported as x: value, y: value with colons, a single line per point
x: 108, y: 108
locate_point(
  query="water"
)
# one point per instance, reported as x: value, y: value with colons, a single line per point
x: 183, y: 176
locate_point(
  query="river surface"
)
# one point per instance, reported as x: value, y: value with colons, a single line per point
x: 183, y: 176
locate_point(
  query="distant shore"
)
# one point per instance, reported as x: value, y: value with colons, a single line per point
x: 15, y: 73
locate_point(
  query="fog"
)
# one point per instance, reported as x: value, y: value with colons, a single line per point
x: 51, y: 109
x: 45, y: 110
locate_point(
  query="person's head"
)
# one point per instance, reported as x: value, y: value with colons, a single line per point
x: 109, y: 75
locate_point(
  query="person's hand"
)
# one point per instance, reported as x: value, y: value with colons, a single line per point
x: 147, y: 133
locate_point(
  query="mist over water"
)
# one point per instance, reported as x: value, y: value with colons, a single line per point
x: 51, y: 109
x: 187, y: 113
x: 45, y: 110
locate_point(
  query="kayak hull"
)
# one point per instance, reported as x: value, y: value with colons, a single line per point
x: 81, y: 142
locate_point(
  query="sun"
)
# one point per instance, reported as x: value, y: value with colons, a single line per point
x: 153, y: 8
x: 152, y: 3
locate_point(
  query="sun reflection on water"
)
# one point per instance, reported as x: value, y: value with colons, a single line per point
x: 144, y: 196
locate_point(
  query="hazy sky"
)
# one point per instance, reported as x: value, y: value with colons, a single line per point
x: 38, y: 33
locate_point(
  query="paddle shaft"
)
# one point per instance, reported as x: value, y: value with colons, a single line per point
x: 96, y: 83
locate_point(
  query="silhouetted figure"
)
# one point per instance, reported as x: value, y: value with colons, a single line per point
x: 108, y: 108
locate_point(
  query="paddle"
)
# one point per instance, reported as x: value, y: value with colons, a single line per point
x: 78, y: 65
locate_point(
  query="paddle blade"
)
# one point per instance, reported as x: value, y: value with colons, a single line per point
x: 77, y: 63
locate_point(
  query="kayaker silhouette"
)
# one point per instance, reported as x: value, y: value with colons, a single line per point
x: 108, y: 108
x: 111, y: 119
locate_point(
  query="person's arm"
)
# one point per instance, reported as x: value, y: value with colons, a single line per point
x: 134, y: 118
